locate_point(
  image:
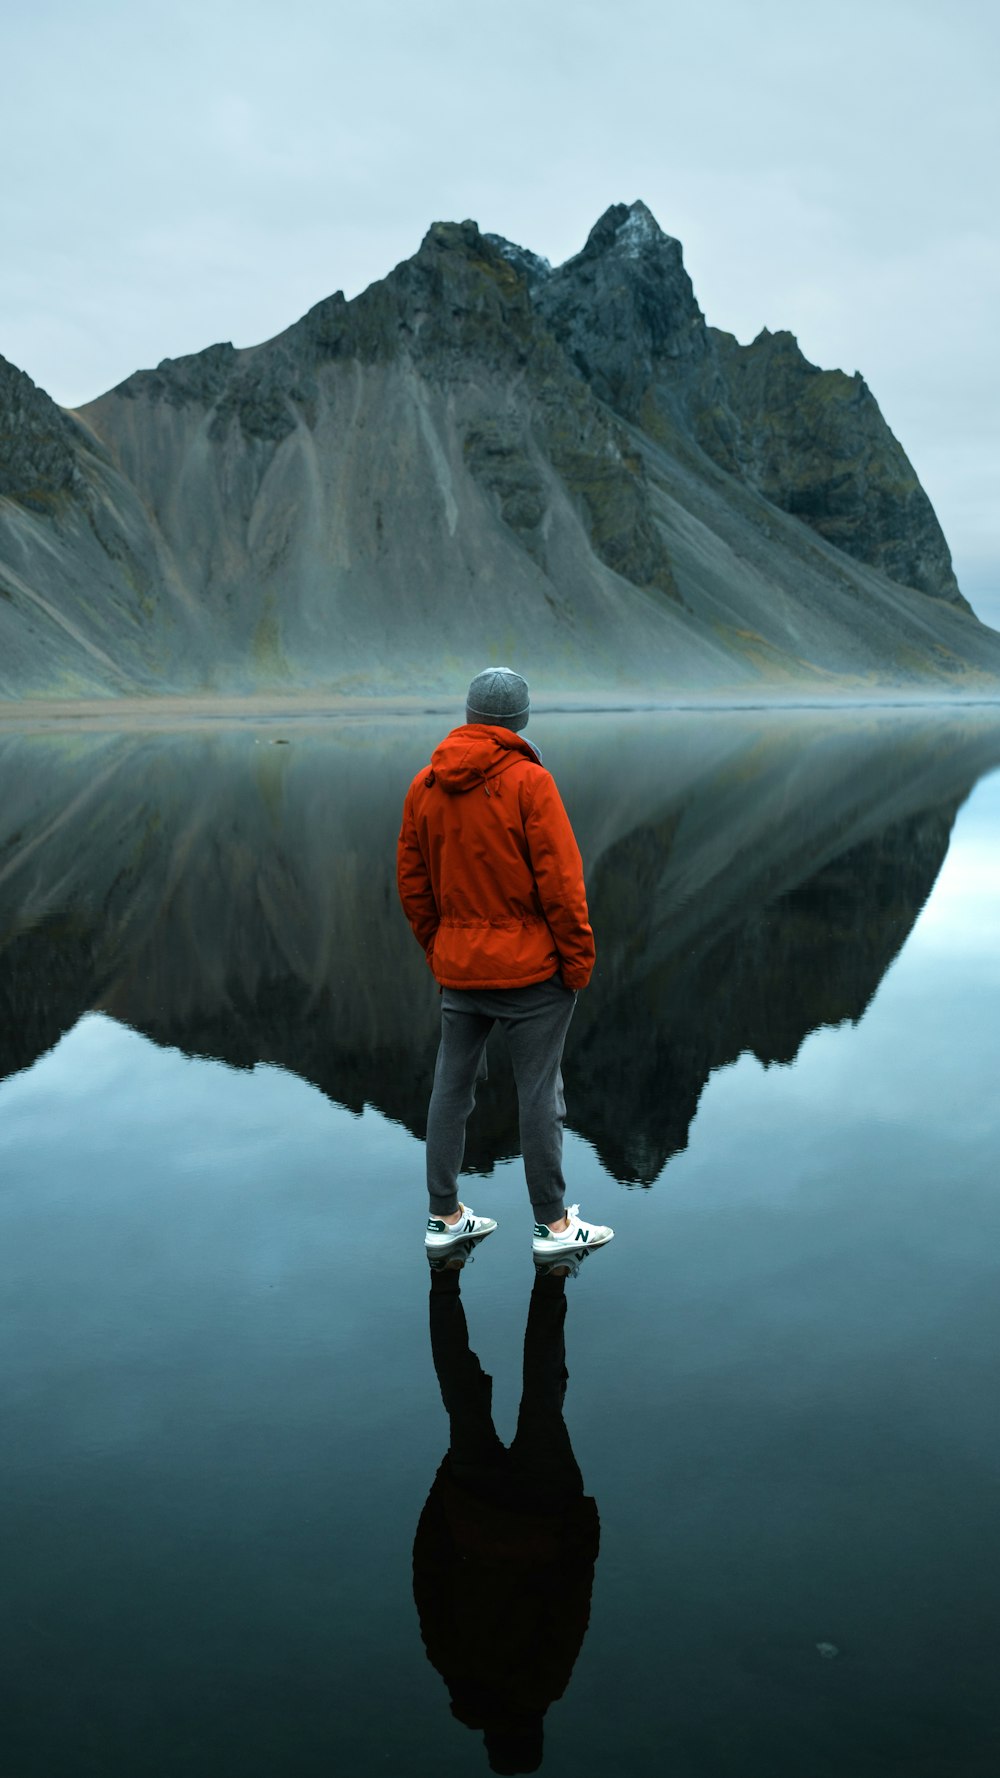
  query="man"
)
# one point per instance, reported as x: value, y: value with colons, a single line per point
x: 491, y: 881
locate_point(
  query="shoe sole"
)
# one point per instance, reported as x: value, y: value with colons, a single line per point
x: 569, y: 1264
x: 444, y: 1245
x: 455, y: 1257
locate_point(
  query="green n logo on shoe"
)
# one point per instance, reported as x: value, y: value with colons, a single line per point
x: 583, y: 1235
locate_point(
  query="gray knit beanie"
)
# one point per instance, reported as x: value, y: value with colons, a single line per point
x: 498, y: 696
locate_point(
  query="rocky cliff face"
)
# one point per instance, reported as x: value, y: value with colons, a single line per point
x: 40, y: 446
x: 813, y: 442
x: 479, y: 456
x: 89, y: 598
x: 625, y: 310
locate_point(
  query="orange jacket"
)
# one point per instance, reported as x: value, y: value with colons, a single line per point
x: 489, y: 873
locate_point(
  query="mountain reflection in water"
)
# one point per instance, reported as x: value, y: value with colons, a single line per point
x: 750, y: 879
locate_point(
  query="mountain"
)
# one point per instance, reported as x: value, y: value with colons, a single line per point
x: 478, y: 457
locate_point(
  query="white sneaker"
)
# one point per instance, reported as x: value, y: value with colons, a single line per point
x: 579, y: 1235
x: 468, y: 1228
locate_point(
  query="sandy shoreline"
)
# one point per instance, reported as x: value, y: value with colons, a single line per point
x: 171, y: 713
x: 183, y: 712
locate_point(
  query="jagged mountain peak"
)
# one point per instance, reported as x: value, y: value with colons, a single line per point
x: 624, y: 304
x: 194, y: 377
x: 451, y: 235
x: 626, y: 229
x: 777, y: 342
x: 40, y: 444
x: 779, y: 339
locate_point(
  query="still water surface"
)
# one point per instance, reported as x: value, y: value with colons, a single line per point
x: 223, y: 1383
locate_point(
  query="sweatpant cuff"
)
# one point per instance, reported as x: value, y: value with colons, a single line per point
x: 553, y: 1211
x: 444, y: 1206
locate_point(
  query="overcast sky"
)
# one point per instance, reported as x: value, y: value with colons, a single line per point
x: 197, y: 172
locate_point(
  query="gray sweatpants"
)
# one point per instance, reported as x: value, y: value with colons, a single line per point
x: 535, y: 1021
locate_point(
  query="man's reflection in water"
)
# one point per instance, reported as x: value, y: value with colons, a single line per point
x: 503, y: 1560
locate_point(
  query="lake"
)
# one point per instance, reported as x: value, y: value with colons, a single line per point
x: 759, y: 1536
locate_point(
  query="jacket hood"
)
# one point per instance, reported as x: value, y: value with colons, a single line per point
x: 476, y: 753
